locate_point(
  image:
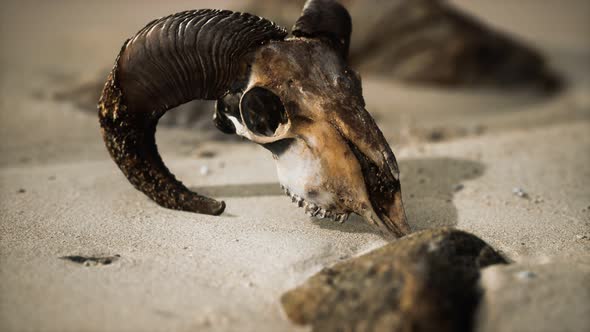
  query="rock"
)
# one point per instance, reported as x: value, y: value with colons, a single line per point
x: 520, y: 192
x: 458, y: 187
x: 426, y: 281
x: 525, y: 275
x: 430, y: 42
x: 204, y: 170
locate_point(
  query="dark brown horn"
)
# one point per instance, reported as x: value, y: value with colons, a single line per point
x: 186, y: 56
x: 326, y: 19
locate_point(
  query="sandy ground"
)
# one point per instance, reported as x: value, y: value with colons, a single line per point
x: 60, y: 194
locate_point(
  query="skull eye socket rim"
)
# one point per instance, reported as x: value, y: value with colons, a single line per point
x: 263, y: 112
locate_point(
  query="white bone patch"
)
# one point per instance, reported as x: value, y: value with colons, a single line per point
x: 300, y: 171
x: 241, y: 130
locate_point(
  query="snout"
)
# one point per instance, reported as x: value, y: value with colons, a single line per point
x: 379, y: 170
x: 383, y: 190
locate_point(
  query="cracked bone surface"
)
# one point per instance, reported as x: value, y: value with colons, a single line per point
x: 297, y: 97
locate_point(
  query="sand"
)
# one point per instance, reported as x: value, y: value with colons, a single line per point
x: 61, y: 195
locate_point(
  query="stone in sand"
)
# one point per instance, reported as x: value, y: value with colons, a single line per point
x: 431, y: 42
x: 426, y: 281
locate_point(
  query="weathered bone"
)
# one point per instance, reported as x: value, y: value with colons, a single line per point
x: 331, y: 157
x: 297, y: 97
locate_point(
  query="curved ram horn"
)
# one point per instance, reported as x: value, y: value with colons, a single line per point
x: 186, y: 56
x: 325, y: 19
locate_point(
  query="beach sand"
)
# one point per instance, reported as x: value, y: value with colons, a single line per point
x: 463, y: 155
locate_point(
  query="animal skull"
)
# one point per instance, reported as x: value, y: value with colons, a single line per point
x: 304, y: 104
x: 296, y: 97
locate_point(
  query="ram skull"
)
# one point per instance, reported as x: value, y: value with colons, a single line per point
x: 295, y: 96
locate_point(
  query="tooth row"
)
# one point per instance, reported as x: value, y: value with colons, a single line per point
x: 313, y: 210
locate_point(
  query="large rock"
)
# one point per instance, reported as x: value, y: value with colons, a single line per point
x: 430, y: 42
x: 426, y: 281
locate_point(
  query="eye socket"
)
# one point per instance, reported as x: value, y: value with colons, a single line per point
x: 262, y: 111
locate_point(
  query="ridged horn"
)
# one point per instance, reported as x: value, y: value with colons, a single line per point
x: 326, y: 19
x: 175, y: 59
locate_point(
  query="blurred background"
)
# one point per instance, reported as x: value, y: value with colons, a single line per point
x: 432, y: 70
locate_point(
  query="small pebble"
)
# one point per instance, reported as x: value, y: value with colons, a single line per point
x: 21, y: 191
x: 581, y: 237
x: 204, y: 170
x: 520, y: 192
x: 458, y: 187
x: 525, y: 275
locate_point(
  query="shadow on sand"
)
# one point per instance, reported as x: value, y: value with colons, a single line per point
x: 428, y: 187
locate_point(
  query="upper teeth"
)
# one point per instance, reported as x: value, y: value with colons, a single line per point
x: 313, y: 210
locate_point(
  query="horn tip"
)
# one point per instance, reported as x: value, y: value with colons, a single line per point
x: 199, y: 204
x: 219, y: 209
